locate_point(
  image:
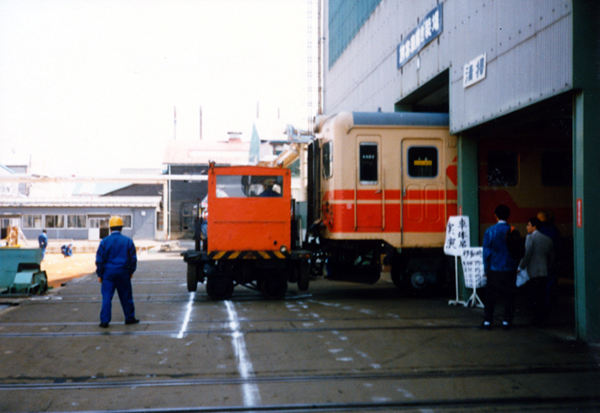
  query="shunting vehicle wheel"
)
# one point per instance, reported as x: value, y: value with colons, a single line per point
x: 192, y: 280
x: 273, y: 287
x: 219, y: 288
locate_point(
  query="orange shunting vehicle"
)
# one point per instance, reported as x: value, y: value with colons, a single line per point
x: 250, y: 234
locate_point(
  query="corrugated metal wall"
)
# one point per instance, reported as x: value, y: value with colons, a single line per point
x: 528, y: 44
x: 345, y: 19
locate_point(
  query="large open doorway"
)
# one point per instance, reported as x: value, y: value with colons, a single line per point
x: 525, y: 161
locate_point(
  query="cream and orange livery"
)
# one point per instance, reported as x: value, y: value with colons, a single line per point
x: 383, y: 179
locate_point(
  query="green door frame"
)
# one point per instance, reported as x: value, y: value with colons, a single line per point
x: 586, y: 168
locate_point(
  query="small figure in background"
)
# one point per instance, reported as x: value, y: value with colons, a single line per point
x: 67, y: 250
x: 268, y: 189
x: 43, y: 241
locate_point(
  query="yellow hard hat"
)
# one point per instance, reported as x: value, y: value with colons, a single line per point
x: 115, y: 222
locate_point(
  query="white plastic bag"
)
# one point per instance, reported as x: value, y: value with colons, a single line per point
x: 522, y: 277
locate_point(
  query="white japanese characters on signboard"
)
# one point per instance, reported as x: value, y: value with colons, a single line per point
x: 474, y: 71
x: 457, y: 235
x: 429, y: 28
x: 472, y: 262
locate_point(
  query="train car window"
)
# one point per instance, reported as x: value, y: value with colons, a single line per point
x: 557, y: 168
x: 249, y: 186
x: 327, y: 160
x: 368, y: 172
x: 422, y: 161
x: 503, y: 168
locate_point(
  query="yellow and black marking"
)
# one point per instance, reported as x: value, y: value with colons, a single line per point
x: 248, y: 255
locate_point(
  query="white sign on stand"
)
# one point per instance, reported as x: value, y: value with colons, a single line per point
x: 457, y: 239
x: 457, y: 235
x: 472, y: 263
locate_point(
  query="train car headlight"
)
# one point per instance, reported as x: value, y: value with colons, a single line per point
x: 283, y: 249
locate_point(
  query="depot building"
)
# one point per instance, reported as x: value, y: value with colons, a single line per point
x: 520, y: 83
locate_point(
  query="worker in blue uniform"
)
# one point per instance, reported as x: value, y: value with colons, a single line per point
x: 43, y: 241
x: 116, y: 261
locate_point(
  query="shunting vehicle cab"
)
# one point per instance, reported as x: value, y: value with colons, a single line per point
x: 251, y: 234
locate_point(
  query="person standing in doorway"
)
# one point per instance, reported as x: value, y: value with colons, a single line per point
x: 500, y: 268
x: 548, y: 227
x: 116, y: 261
x: 43, y: 241
x: 538, y: 259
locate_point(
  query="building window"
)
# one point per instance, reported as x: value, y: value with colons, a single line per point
x: 76, y: 221
x: 188, y: 213
x: 422, y: 162
x: 503, y: 169
x: 127, y: 221
x: 55, y: 221
x: 159, y: 221
x: 328, y: 160
x: 368, y: 169
x: 32, y: 221
x: 557, y: 168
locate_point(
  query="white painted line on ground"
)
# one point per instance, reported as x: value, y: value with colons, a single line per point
x: 186, y: 319
x: 250, y: 391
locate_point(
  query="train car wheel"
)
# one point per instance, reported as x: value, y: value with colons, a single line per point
x: 192, y: 281
x: 304, y: 278
x: 274, y: 288
x: 219, y: 288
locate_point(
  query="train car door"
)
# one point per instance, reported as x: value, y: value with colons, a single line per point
x: 423, y: 190
x: 368, y: 190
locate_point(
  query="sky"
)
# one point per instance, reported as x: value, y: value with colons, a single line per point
x: 88, y: 87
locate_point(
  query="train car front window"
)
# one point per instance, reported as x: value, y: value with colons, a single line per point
x: 503, y: 169
x: 328, y: 160
x: 422, y: 162
x: 368, y: 163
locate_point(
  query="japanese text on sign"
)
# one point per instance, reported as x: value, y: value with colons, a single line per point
x: 457, y: 235
x: 429, y: 28
x: 474, y: 71
x: 472, y: 262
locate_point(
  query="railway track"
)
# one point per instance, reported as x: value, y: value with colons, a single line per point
x: 329, y: 350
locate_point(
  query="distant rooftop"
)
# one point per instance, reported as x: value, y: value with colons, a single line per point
x: 84, y: 201
x: 200, y: 152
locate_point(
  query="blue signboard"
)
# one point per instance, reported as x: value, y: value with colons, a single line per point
x: 429, y: 28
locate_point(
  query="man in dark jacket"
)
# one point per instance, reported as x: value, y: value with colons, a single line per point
x: 116, y: 261
x: 500, y: 268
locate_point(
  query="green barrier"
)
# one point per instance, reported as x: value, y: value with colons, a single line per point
x: 20, y: 271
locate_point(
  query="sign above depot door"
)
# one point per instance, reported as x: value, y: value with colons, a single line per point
x: 428, y: 29
x: 474, y: 71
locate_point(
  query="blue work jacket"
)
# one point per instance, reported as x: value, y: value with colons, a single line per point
x: 495, y: 252
x: 43, y: 240
x: 116, y: 256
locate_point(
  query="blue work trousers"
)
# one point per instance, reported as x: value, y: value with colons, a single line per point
x: 122, y: 283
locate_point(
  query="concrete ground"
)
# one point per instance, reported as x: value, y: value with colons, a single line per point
x: 337, y: 346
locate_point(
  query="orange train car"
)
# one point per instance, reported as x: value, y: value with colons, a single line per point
x: 382, y: 183
x: 251, y: 236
